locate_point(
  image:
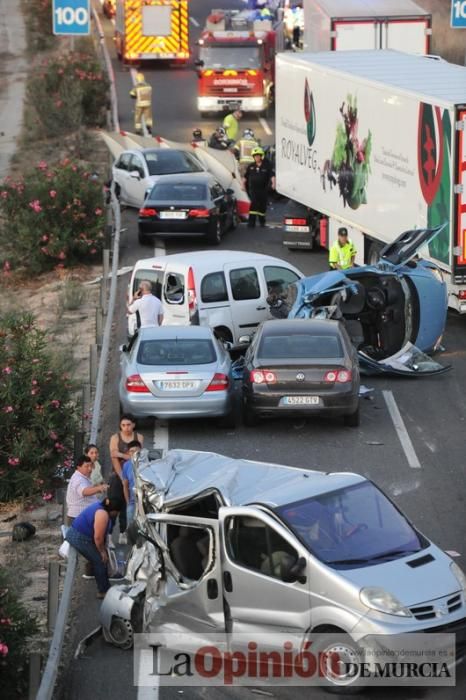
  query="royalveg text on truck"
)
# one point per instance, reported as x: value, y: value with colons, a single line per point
x: 375, y: 141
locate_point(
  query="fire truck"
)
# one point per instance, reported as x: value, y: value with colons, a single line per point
x: 152, y: 29
x: 236, y: 64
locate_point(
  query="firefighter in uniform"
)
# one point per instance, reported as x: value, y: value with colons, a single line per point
x: 343, y: 252
x: 258, y: 178
x: 142, y: 93
x: 244, y: 148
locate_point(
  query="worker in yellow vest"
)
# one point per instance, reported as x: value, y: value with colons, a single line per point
x: 343, y: 252
x: 243, y: 150
x: 142, y: 93
x: 231, y: 125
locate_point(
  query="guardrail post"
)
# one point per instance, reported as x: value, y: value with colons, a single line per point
x: 93, y: 360
x: 35, y: 663
x: 53, y: 594
x: 99, y: 322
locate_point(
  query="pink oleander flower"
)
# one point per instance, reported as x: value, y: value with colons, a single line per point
x: 53, y: 435
x: 13, y: 461
x: 35, y: 206
x: 53, y: 193
x: 47, y: 496
x: 42, y: 165
x: 3, y: 649
x: 55, y: 403
x: 7, y: 370
x: 8, y: 409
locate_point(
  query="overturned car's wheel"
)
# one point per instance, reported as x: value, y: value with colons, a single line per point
x: 120, y: 634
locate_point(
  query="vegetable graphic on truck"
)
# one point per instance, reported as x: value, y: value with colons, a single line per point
x: 349, y: 166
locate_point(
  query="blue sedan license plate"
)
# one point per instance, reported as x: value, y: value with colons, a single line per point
x: 301, y: 400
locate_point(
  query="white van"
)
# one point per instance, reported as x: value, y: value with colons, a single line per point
x: 223, y: 289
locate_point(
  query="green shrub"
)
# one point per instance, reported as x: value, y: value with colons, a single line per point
x: 38, y: 19
x: 17, y: 625
x: 37, y: 414
x: 67, y: 92
x: 53, y: 216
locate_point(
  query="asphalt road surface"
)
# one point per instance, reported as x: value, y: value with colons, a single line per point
x: 420, y: 465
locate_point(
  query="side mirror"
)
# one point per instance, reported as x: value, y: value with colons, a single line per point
x: 199, y: 63
x: 291, y: 572
x: 244, y: 340
x: 135, y: 175
x: 123, y: 348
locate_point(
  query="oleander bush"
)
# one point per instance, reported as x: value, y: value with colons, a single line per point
x: 37, y: 414
x: 53, y: 216
x: 17, y: 625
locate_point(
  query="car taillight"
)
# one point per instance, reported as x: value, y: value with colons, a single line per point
x: 192, y: 301
x: 462, y: 294
x: 295, y: 222
x: 135, y: 385
x: 147, y: 211
x: 262, y: 376
x: 220, y: 382
x: 199, y: 213
x: 337, y: 375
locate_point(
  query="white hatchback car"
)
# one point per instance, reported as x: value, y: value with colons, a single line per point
x: 135, y: 172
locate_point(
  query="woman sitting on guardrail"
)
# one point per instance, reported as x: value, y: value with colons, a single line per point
x: 88, y: 535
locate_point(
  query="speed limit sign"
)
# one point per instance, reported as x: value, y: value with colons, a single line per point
x: 458, y: 13
x: 71, y: 17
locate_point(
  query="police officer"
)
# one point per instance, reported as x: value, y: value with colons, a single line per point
x: 343, y: 252
x: 258, y: 178
x: 142, y: 93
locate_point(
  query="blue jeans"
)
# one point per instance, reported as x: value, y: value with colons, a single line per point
x: 130, y: 510
x: 85, y: 546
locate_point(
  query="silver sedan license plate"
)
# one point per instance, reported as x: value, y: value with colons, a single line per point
x: 178, y: 385
x: 301, y: 400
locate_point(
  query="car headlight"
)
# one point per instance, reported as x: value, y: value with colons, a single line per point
x: 459, y: 574
x: 383, y: 601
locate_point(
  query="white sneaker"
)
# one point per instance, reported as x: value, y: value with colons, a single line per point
x: 122, y: 539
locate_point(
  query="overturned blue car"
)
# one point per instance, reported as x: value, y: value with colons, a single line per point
x: 395, y: 311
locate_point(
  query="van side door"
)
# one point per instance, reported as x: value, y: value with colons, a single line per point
x: 256, y: 553
x: 192, y: 586
x: 175, y: 296
x: 247, y: 293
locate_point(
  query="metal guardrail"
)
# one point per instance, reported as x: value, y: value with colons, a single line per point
x: 49, y: 676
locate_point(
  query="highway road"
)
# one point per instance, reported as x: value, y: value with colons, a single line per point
x: 419, y: 462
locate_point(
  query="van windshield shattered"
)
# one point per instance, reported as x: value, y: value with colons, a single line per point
x: 352, y: 527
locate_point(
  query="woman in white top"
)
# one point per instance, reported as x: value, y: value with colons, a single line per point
x: 92, y: 451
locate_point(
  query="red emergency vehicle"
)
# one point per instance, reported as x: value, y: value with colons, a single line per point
x: 236, y: 64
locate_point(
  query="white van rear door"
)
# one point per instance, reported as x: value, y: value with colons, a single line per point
x: 247, y: 291
x: 153, y: 273
x: 175, y: 295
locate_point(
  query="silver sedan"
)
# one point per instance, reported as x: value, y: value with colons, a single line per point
x: 177, y: 372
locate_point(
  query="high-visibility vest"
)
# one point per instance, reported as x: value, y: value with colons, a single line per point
x: 245, y: 149
x: 231, y: 126
x: 143, y: 94
x: 342, y: 255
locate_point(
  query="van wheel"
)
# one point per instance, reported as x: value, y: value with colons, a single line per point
x: 142, y: 238
x: 215, y: 234
x: 335, y: 651
x: 250, y: 418
x: 120, y: 633
x: 352, y: 419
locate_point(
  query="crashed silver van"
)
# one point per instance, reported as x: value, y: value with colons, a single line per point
x: 230, y: 545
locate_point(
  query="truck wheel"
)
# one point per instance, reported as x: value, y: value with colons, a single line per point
x: 120, y: 634
x: 373, y: 255
x: 352, y: 419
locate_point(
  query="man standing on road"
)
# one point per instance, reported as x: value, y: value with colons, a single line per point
x: 142, y: 93
x: 80, y: 492
x: 147, y: 306
x: 258, y: 178
x: 231, y: 125
x: 343, y: 252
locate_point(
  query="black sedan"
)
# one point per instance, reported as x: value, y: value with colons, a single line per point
x: 301, y: 366
x: 191, y: 204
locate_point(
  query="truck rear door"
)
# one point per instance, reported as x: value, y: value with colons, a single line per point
x: 459, y: 231
x: 353, y: 35
x: 411, y: 35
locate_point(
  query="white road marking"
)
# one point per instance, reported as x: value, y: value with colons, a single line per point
x: 452, y: 553
x: 401, y: 430
x: 160, y: 436
x: 265, y: 126
x: 145, y: 692
x: 194, y: 21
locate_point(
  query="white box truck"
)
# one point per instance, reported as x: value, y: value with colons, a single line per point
x: 339, y: 25
x: 375, y: 141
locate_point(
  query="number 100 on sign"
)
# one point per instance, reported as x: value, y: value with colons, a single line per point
x: 71, y: 17
x: 458, y: 13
